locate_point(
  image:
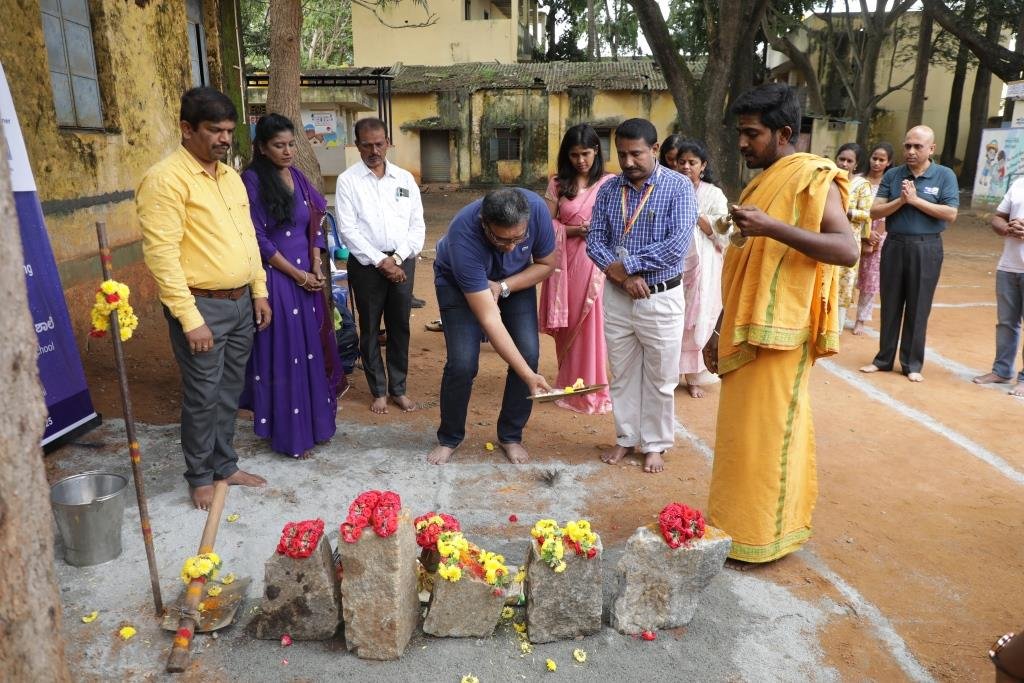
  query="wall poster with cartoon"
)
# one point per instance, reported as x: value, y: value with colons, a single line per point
x: 1000, y: 162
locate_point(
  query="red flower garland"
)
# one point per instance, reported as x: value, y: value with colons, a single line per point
x: 427, y: 536
x: 376, y: 508
x: 299, y: 539
x: 680, y: 524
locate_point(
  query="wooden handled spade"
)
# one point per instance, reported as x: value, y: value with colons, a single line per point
x: 180, y: 652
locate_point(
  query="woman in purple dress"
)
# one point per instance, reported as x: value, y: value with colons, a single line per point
x: 294, y: 373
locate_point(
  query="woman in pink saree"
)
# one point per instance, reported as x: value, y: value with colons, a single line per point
x: 570, y: 300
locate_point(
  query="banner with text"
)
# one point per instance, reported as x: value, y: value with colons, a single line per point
x: 60, y: 367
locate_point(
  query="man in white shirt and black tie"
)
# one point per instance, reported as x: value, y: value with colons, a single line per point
x: 380, y: 217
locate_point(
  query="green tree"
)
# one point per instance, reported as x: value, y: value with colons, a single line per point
x: 325, y: 42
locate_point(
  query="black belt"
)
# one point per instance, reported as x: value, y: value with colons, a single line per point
x: 901, y: 237
x: 666, y: 285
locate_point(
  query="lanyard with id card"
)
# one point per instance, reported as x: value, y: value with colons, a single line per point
x: 401, y: 192
x: 621, y: 251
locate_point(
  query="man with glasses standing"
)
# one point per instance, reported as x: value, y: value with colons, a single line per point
x: 486, y: 272
x: 380, y: 217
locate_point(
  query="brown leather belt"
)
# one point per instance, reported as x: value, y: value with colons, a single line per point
x: 233, y: 294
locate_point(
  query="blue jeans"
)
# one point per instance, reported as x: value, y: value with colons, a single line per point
x: 462, y: 333
x: 1009, y: 311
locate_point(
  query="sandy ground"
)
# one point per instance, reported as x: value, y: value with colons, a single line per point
x: 912, y: 572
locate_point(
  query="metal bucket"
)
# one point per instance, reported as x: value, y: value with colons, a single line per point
x: 89, y: 508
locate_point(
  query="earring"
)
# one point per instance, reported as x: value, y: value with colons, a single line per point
x: 702, y: 174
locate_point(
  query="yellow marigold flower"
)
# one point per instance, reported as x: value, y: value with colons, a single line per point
x: 228, y: 578
x: 436, y: 519
x: 488, y: 446
x: 470, y: 678
x: 233, y: 517
x: 560, y: 567
x: 559, y: 550
x: 91, y: 617
x: 214, y: 591
x: 568, y: 390
x: 201, y: 607
x: 551, y: 665
x: 126, y: 632
x: 519, y: 627
x: 579, y: 383
x: 506, y: 613
x: 520, y: 576
x: 579, y: 655
x: 525, y: 647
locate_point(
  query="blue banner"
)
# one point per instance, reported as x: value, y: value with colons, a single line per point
x: 60, y: 367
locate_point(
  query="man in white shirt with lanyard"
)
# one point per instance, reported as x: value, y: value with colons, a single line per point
x: 380, y: 217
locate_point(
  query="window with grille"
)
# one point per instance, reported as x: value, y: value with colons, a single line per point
x: 505, y: 144
x: 196, y: 42
x: 67, y: 31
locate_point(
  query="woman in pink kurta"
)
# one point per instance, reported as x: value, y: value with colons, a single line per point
x: 570, y: 300
x: 879, y: 162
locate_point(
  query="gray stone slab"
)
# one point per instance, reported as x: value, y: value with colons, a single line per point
x: 467, y: 608
x: 660, y: 587
x: 301, y: 597
x: 380, y: 601
x: 566, y: 605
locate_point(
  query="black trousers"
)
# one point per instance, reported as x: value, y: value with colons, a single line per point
x: 378, y: 298
x: 908, y: 275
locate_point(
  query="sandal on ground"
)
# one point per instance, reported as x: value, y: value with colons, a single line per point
x: 433, y: 326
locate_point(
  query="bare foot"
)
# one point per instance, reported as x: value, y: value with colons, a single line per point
x: 306, y: 455
x: 858, y: 327
x: 654, y: 462
x: 616, y: 455
x: 404, y: 402
x: 202, y: 496
x: 515, y: 453
x: 991, y: 378
x: 915, y: 376
x: 439, y: 455
x: 243, y: 478
x: 870, y: 368
x: 695, y: 391
x: 1017, y: 391
x: 379, y: 405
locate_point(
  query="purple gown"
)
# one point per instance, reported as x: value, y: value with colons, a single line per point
x: 289, y: 386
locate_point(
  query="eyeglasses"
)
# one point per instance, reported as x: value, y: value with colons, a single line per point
x: 505, y: 241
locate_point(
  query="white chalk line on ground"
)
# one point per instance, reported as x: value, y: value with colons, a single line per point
x: 972, y: 447
x: 881, y: 626
x: 883, y: 629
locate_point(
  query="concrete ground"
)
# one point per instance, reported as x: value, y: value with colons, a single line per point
x: 746, y: 628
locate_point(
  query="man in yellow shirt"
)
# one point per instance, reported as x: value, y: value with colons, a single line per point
x: 200, y: 245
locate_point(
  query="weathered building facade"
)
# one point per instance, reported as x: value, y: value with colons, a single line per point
x: 96, y: 84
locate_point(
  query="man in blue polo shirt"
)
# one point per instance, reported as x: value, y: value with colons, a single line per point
x: 485, y: 272
x: 918, y: 200
x: 641, y: 226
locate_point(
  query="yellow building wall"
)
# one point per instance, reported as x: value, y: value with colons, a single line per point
x: 391, y: 35
x: 84, y: 176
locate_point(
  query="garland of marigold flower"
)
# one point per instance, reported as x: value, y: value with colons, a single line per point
x: 110, y: 297
x: 376, y: 508
x: 459, y: 556
x: 680, y: 524
x: 299, y: 539
x: 203, y: 567
x: 552, y: 541
x: 430, y: 526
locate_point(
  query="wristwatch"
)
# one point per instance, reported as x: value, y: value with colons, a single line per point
x: 505, y: 291
x: 397, y: 259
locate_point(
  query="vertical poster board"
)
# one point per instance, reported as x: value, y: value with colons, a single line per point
x: 1000, y: 162
x: 60, y: 367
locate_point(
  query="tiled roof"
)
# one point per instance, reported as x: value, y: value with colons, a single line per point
x: 639, y: 74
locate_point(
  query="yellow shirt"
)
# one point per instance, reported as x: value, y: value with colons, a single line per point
x: 196, y: 232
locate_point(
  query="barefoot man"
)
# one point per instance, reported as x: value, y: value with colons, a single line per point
x: 200, y: 245
x: 779, y: 297
x: 486, y: 272
x: 380, y: 216
x: 640, y: 229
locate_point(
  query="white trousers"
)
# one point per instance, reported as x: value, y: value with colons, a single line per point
x: 644, y: 338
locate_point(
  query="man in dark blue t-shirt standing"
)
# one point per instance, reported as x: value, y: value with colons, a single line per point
x: 485, y: 272
x: 918, y: 200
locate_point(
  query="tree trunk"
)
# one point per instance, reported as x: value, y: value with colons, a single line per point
x: 283, y: 95
x: 1006, y: 64
x: 979, y: 109
x: 549, y: 28
x: 924, y: 55
x: 593, y: 46
x: 782, y: 43
x: 865, y: 102
x: 612, y: 37
x: 677, y: 76
x: 31, y: 637
x: 956, y: 99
